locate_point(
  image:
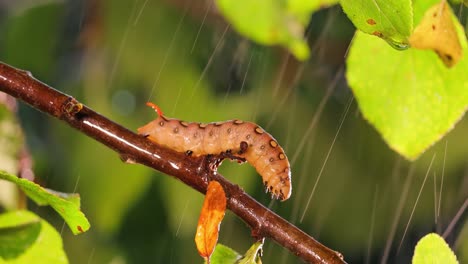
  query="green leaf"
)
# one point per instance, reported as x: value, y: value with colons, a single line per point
x: 267, y: 22
x: 14, y: 240
x: 392, y: 20
x: 433, y: 249
x: 26, y: 238
x: 252, y: 256
x: 224, y: 255
x: 410, y: 97
x: 67, y: 205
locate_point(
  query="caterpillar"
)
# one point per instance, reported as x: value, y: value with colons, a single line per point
x: 242, y: 140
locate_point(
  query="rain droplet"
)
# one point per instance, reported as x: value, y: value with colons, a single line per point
x: 398, y: 45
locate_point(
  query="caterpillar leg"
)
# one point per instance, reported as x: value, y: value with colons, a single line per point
x: 228, y: 155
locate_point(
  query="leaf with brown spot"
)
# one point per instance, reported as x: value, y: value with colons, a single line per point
x: 66, y: 204
x: 211, y: 215
x: 371, y: 21
x: 436, y: 31
x: 389, y: 20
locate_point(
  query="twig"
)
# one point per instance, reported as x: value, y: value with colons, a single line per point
x: 135, y: 148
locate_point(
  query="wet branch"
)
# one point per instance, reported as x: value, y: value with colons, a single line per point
x: 134, y: 148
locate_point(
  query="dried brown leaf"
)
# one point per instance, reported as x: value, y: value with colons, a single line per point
x: 211, y: 215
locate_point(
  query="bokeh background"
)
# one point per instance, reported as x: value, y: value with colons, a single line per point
x: 182, y: 55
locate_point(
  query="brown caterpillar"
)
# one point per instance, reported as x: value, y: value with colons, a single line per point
x: 244, y: 140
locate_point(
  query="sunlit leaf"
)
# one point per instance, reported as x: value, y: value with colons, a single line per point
x: 437, y: 32
x: 391, y: 20
x: 211, y: 215
x: 224, y: 255
x: 431, y: 249
x: 67, y: 205
x: 267, y: 22
x: 26, y: 238
x: 252, y: 255
x: 410, y: 97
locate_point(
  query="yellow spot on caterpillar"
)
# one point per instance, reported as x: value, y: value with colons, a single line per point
x: 183, y: 123
x: 218, y: 123
x: 273, y: 143
x: 161, y: 123
x: 248, y: 136
x: 201, y: 125
x: 238, y: 122
x: 176, y: 130
x: 281, y: 156
x: 259, y: 130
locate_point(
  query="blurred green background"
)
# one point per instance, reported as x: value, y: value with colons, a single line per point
x: 116, y: 55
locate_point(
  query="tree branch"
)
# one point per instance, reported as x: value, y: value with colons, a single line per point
x: 190, y: 170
